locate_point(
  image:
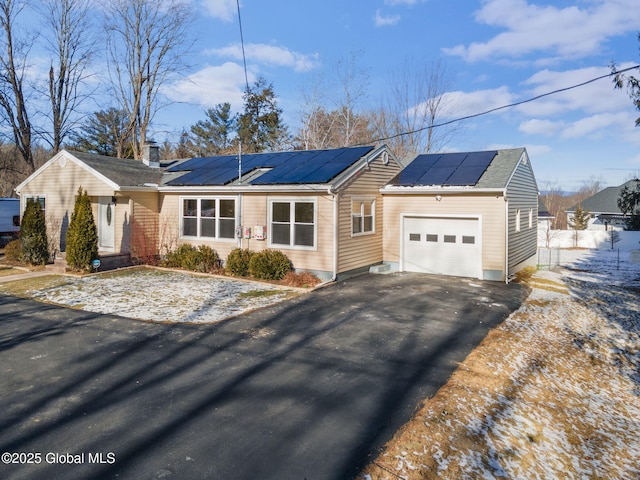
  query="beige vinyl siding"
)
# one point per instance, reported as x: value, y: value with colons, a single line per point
x: 59, y: 184
x: 142, y: 236
x: 363, y: 249
x: 490, y: 208
x: 522, y: 193
x: 255, y: 211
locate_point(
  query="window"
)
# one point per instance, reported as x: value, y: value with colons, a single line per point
x: 518, y: 220
x: 414, y: 237
x: 531, y: 218
x: 213, y: 218
x: 362, y: 216
x: 293, y: 223
x: 468, y: 239
x: 432, y: 237
x: 449, y: 239
x: 37, y: 198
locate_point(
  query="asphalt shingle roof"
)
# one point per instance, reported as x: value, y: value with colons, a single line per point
x: 122, y: 171
x: 605, y: 201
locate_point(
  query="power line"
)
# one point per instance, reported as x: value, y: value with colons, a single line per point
x: 244, y: 58
x: 515, y: 104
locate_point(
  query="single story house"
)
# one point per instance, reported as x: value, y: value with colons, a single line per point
x: 333, y: 212
x: 603, y: 208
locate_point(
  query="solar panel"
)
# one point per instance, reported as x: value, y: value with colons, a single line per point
x: 455, y: 169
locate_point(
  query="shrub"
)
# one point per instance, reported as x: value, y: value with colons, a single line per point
x: 82, y: 235
x: 13, y: 251
x: 198, y: 259
x: 269, y: 264
x: 238, y: 261
x: 33, y: 235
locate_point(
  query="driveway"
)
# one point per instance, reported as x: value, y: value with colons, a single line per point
x: 305, y: 389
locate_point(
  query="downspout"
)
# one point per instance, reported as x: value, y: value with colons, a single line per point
x: 335, y: 233
x: 506, y: 238
x: 240, y: 220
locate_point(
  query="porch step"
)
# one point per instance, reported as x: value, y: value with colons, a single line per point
x: 382, y: 268
x: 59, y: 265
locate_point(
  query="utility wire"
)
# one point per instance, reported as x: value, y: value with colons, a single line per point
x: 244, y: 58
x: 486, y: 112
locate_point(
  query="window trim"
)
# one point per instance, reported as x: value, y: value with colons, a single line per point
x: 372, y: 200
x: 199, y: 217
x: 30, y: 196
x: 292, y: 201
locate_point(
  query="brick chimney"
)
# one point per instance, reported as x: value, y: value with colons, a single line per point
x: 151, y: 154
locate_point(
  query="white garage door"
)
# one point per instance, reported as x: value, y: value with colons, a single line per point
x: 444, y: 246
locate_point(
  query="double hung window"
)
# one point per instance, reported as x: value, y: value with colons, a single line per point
x: 212, y: 218
x: 362, y: 216
x: 293, y: 223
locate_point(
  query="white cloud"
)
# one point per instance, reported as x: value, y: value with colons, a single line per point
x: 212, y: 85
x: 385, y: 21
x: 592, y: 98
x: 221, y: 9
x: 566, y: 33
x: 269, y: 55
x: 536, y: 126
x: 596, y: 126
x: 458, y: 104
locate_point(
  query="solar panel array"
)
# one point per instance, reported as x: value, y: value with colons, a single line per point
x: 298, y: 167
x: 446, y: 169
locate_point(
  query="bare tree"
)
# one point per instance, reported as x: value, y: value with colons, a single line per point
x: 415, y: 102
x: 147, y: 41
x: 71, y: 45
x: 331, y: 115
x: 13, y: 65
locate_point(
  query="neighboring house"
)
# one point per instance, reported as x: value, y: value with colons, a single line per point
x: 545, y: 219
x: 466, y: 214
x: 603, y: 207
x: 333, y: 212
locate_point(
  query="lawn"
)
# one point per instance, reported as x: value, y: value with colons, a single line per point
x: 150, y: 294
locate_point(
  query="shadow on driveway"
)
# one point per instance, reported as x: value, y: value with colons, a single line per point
x: 308, y: 388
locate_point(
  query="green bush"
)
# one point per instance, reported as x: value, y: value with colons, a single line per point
x: 13, y: 251
x: 269, y: 265
x: 33, y: 235
x: 198, y: 259
x: 238, y: 261
x: 82, y: 235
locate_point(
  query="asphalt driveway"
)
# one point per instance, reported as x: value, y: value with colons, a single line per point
x: 306, y: 389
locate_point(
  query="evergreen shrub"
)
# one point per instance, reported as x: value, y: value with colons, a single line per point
x: 33, y: 235
x: 198, y: 259
x: 269, y: 264
x: 238, y: 261
x: 82, y: 234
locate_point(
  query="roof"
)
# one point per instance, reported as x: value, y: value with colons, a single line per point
x: 543, y: 212
x: 122, y: 171
x: 605, y: 201
x: 279, y: 168
x: 481, y: 170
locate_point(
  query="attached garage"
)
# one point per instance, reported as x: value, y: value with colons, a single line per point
x: 442, y: 245
x: 462, y: 214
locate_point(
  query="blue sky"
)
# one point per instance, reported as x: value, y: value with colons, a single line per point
x: 497, y: 52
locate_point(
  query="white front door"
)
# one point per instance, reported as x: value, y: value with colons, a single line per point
x: 106, y: 224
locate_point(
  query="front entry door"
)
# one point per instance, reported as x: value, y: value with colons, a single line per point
x: 106, y: 224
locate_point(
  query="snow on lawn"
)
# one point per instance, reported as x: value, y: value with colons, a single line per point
x: 166, y: 296
x: 554, y: 392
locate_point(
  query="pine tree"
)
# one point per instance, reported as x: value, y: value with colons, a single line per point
x: 33, y: 234
x: 82, y: 235
x: 580, y: 221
